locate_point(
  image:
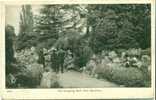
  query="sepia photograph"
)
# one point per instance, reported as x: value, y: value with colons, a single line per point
x: 77, y: 46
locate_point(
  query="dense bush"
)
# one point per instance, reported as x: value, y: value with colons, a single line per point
x: 28, y: 76
x: 124, y: 76
x: 113, y: 66
x: 83, y: 56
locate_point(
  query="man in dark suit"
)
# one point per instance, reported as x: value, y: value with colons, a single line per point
x: 54, y: 60
x: 61, y: 56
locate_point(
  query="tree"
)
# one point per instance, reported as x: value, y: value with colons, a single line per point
x: 134, y: 20
x: 102, y: 21
x: 47, y: 25
x: 9, y: 51
x: 56, y: 22
x: 26, y: 27
x: 119, y: 26
x: 26, y: 20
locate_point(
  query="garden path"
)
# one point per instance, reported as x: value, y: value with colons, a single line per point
x: 73, y: 79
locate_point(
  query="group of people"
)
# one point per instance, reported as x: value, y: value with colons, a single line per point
x: 57, y: 59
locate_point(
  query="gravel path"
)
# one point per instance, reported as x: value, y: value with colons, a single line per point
x: 72, y: 79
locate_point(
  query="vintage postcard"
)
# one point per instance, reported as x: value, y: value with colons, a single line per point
x: 77, y: 49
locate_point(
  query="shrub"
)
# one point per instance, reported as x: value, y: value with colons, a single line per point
x: 26, y: 81
x: 10, y: 81
x: 29, y: 76
x: 134, y: 52
x: 146, y: 51
x: 130, y: 77
x: 49, y: 80
x: 83, y: 56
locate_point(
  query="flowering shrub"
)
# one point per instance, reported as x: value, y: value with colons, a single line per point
x: 131, y: 70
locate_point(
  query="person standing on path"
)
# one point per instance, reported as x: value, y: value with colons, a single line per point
x: 54, y: 60
x: 61, y: 57
x: 41, y: 59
